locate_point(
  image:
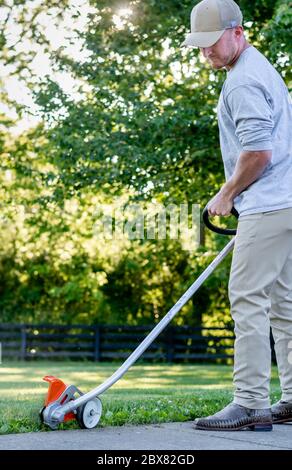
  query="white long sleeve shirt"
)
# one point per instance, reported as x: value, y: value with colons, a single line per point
x: 255, y: 113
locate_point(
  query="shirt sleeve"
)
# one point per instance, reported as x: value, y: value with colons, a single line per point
x: 251, y: 112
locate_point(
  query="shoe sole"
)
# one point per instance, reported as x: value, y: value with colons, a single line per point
x: 282, y: 420
x: 257, y: 427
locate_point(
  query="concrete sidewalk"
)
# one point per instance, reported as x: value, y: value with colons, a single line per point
x: 168, y: 436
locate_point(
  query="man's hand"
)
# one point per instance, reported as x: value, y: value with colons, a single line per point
x: 221, y: 204
x: 249, y: 167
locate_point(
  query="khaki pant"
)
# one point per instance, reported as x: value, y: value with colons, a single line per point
x: 260, y: 292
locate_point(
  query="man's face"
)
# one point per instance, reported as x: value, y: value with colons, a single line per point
x: 223, y: 51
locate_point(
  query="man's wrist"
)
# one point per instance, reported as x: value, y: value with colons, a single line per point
x: 228, y: 190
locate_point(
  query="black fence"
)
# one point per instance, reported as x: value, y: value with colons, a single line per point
x: 112, y: 342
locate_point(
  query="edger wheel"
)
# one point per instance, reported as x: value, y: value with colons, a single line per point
x: 88, y: 415
x: 41, y: 414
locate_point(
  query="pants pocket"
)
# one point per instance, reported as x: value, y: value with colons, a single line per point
x: 247, y: 228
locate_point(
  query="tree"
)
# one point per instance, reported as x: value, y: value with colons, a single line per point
x: 143, y: 126
x: 147, y: 119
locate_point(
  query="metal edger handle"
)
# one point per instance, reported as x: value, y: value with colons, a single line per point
x: 221, y: 231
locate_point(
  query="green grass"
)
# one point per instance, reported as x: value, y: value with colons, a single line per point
x: 146, y: 394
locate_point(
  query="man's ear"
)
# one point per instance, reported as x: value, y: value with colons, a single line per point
x: 239, y: 32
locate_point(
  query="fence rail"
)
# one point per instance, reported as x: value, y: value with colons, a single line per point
x: 112, y: 342
x: 115, y: 342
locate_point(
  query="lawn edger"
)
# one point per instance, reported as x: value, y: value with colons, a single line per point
x: 66, y: 402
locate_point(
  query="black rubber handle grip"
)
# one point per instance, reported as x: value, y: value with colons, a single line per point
x: 221, y: 231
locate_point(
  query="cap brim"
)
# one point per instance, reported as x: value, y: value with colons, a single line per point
x: 202, y: 39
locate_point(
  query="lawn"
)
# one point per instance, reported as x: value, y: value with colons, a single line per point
x: 148, y: 393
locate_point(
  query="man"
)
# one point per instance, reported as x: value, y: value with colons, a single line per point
x: 255, y: 125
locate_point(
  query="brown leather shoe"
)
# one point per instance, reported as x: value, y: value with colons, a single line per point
x: 235, y: 417
x: 282, y: 412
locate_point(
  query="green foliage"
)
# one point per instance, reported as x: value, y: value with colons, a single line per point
x: 154, y: 104
x: 144, y: 126
x: 277, y: 35
x: 150, y: 135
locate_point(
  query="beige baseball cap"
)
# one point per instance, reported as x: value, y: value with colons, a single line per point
x: 209, y: 20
